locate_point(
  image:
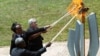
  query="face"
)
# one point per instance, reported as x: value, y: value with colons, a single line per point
x: 18, y: 29
x: 34, y: 25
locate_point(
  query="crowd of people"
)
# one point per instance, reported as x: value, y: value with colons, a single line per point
x: 29, y: 42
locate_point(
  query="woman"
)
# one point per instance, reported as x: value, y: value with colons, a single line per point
x: 17, y: 32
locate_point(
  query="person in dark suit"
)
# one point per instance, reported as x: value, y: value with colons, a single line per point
x: 17, y: 32
x: 20, y: 50
x: 36, y: 40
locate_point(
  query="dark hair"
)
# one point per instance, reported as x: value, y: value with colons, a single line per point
x: 13, y: 27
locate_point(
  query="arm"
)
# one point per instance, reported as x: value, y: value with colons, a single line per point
x: 41, y: 51
x: 43, y: 29
x: 36, y: 53
x: 12, y: 46
x: 33, y: 53
x: 34, y: 36
x: 28, y: 53
x: 12, y: 43
x: 38, y: 31
x: 29, y: 33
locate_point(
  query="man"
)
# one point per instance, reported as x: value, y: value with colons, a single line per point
x: 35, y: 42
x: 20, y: 50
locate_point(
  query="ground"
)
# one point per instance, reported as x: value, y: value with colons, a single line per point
x: 56, y: 49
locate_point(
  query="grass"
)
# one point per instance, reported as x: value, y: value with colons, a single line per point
x: 46, y: 12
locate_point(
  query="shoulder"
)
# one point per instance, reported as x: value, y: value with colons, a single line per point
x: 18, y: 50
x: 14, y: 35
x: 29, y: 29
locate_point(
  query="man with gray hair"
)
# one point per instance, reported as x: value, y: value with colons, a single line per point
x: 20, y: 50
x: 36, y: 39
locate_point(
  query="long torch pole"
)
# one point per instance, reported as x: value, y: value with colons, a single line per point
x: 53, y: 39
x: 65, y: 15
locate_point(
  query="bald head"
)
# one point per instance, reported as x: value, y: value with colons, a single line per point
x: 19, y: 42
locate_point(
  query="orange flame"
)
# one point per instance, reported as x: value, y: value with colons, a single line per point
x: 77, y: 5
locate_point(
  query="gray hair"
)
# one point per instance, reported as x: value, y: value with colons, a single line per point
x: 32, y: 20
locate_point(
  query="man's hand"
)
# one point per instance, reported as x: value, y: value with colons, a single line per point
x: 34, y: 36
x: 47, y: 26
x: 48, y: 45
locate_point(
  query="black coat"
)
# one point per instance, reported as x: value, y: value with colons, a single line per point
x: 24, y: 52
x: 14, y: 36
x: 36, y: 43
x: 25, y: 36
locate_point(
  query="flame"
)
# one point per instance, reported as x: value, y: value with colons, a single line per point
x: 77, y: 5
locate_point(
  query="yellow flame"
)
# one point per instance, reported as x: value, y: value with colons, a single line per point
x: 77, y: 5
